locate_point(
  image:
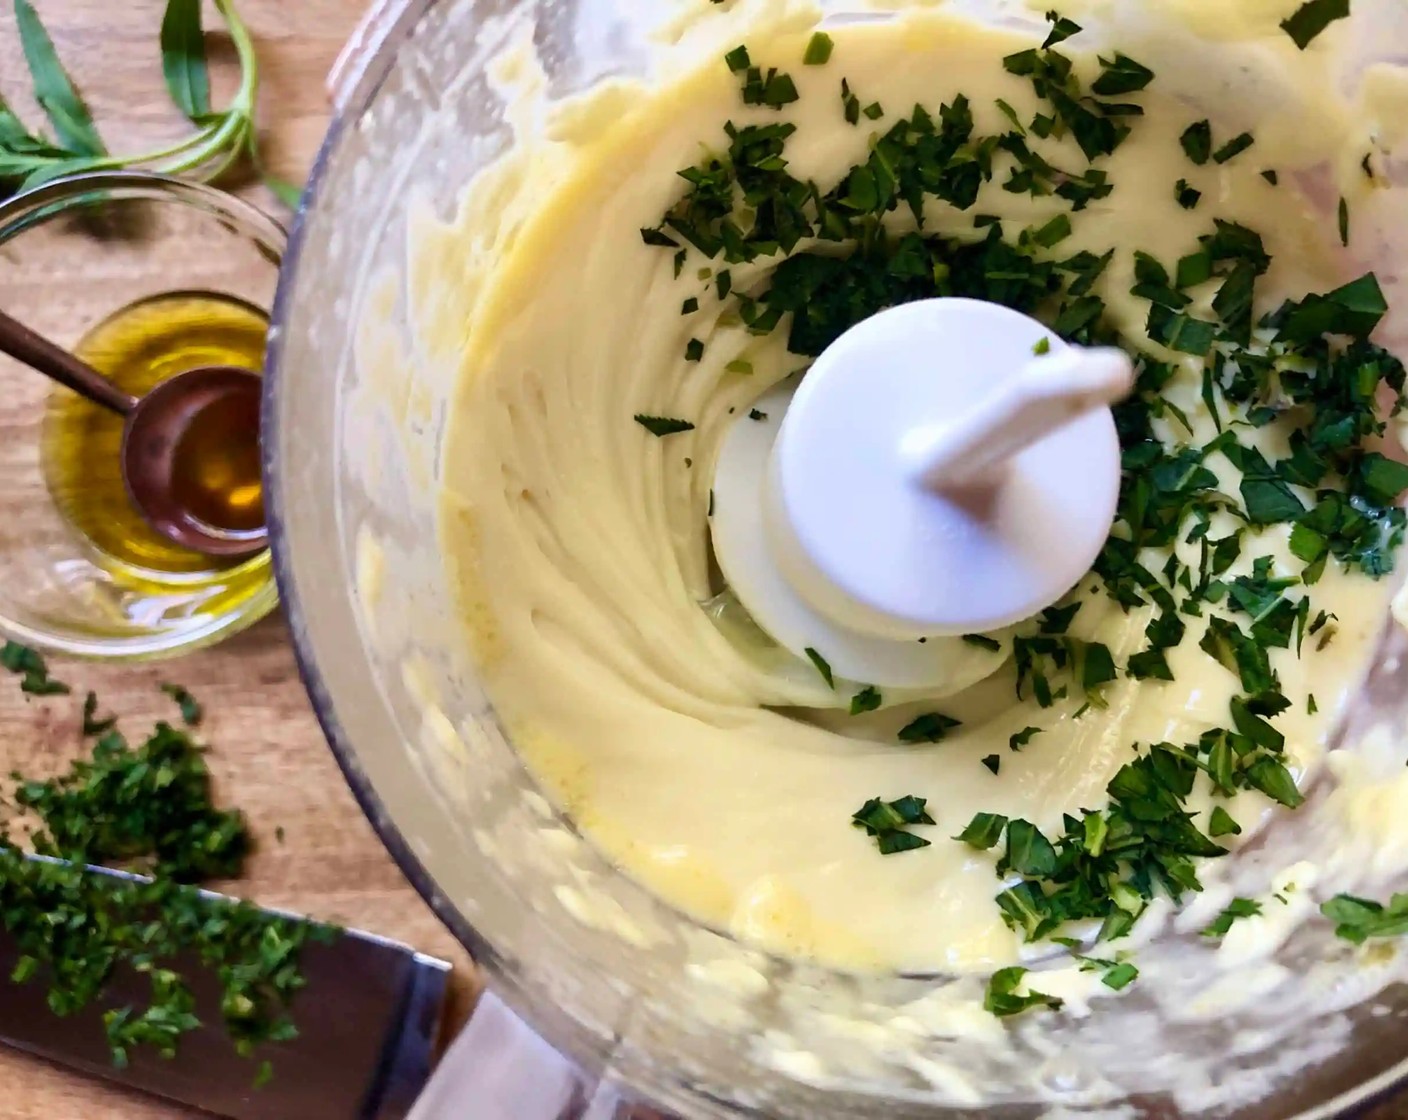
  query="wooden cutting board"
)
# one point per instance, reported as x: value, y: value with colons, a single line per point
x: 268, y: 753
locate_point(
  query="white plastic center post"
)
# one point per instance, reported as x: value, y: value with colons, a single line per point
x: 946, y: 467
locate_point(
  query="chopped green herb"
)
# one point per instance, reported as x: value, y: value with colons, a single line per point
x: 738, y: 365
x: 983, y: 831
x: 33, y: 671
x: 1237, y: 909
x: 1061, y: 29
x: 1359, y: 919
x: 873, y: 111
x: 92, y: 725
x: 1187, y: 196
x: 1120, y: 976
x: 1222, y: 824
x: 754, y: 414
x: 663, y: 425
x: 1016, y: 742
x: 693, y: 350
x: 191, y: 712
x: 1344, y: 221
x: 887, y: 822
x: 1233, y: 148
x: 1120, y: 75
x: 1312, y: 18
x: 822, y: 666
x: 818, y: 50
x: 1271, y: 177
x: 689, y: 307
x: 931, y: 727
x: 1003, y: 1001
x: 993, y: 763
x: 737, y: 59
x: 867, y: 699
x: 1197, y: 142
x: 982, y: 641
x: 1041, y: 347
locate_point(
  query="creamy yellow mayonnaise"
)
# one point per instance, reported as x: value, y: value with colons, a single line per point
x: 717, y: 770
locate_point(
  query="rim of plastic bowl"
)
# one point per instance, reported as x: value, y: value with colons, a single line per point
x: 41, y: 204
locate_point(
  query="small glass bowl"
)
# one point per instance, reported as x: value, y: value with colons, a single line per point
x: 76, y: 255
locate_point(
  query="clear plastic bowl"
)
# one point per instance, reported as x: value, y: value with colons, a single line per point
x: 73, y: 254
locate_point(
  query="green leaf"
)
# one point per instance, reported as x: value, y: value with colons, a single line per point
x: 1274, y: 780
x: 663, y: 425
x: 1003, y: 1001
x: 183, y: 59
x: 1120, y: 977
x: 983, y: 831
x: 1380, y: 479
x: 1359, y: 919
x: 822, y: 666
x: 1029, y: 852
x: 1222, y: 824
x: 53, y: 89
x: 1237, y: 909
x: 191, y: 712
x: 1061, y: 29
x: 1197, y: 142
x: 867, y: 699
x: 1234, y: 147
x: 1121, y: 74
x: 1312, y: 18
x: 931, y: 727
x: 818, y: 50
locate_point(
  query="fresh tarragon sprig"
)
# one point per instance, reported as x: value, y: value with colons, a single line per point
x: 222, y: 138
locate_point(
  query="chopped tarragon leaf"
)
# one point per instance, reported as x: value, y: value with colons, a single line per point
x: 755, y: 414
x: 739, y: 365
x: 1002, y: 998
x: 1119, y: 976
x: 819, y: 49
x: 993, y: 763
x: 822, y: 666
x: 1220, y: 823
x: 1029, y: 852
x: 931, y: 727
x: 29, y: 665
x: 1233, y: 148
x: 658, y: 238
x: 850, y: 103
x: 191, y: 712
x: 1344, y: 221
x: 92, y: 725
x: 984, y: 831
x: 773, y: 89
x: 1236, y: 910
x: 694, y: 350
x: 1121, y: 74
x: 663, y: 425
x: 867, y: 699
x: 690, y: 306
x: 874, y: 111
x: 1061, y: 29
x: 887, y: 821
x: 1359, y: 919
x: 1312, y: 18
x: 1271, y: 177
x: 738, y: 60
x: 1187, y: 195
x: 1197, y: 142
x: 982, y: 641
x: 1016, y: 742
x: 1041, y: 347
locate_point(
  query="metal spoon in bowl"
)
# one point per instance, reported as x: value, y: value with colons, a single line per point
x: 190, y: 447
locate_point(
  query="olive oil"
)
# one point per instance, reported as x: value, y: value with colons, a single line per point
x: 137, y: 348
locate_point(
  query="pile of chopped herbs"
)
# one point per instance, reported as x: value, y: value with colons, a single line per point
x: 146, y: 810
x: 844, y: 251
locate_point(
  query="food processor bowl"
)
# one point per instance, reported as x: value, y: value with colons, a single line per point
x: 649, y: 1006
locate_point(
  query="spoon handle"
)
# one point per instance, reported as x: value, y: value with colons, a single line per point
x: 56, y: 363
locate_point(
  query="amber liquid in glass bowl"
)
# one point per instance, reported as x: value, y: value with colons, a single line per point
x: 137, y: 348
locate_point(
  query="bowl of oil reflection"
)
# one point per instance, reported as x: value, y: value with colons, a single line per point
x: 143, y: 277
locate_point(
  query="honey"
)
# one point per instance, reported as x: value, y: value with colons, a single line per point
x: 217, y: 476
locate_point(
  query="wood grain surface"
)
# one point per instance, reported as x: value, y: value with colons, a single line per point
x: 268, y: 753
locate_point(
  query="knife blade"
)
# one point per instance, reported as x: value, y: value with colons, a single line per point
x: 369, y: 1023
